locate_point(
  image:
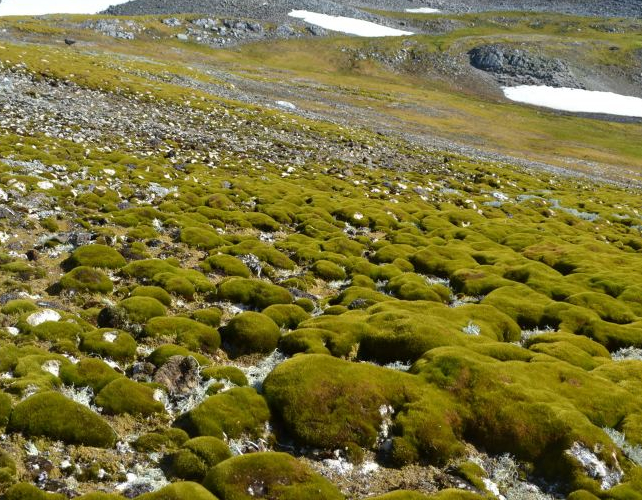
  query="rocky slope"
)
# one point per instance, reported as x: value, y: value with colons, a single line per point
x: 279, y: 8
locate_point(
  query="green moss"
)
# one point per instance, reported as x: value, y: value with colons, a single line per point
x: 328, y: 271
x: 95, y: 256
x: 86, y: 279
x: 410, y: 286
x: 176, y: 285
x: 254, y: 293
x: 147, y: 269
x: 179, y: 491
x: 402, y: 495
x: 202, y: 238
x: 453, y: 494
x: 226, y: 264
x: 472, y: 473
x: 90, y: 372
x: 221, y: 372
x: 161, y: 354
x: 286, y: 315
x: 210, y: 316
x: 161, y: 440
x: 109, y: 343
x: 234, y: 413
x: 608, y: 308
x: 7, y: 468
x: 126, y: 396
x: 18, y: 306
x: 26, y: 491
x: 52, y: 415
x: 582, y: 495
x: 54, y: 331
x: 251, y: 332
x: 306, y: 304
x: 185, y: 332
x: 197, y: 456
x: 266, y: 253
x: 280, y: 474
x: 315, y: 396
x: 134, y: 310
x: 521, y: 303
x: 5, y: 409
x: 155, y: 292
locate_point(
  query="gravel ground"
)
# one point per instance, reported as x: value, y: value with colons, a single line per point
x: 278, y: 9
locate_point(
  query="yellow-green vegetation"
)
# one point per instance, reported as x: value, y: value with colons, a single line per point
x: 278, y: 473
x: 52, y: 415
x: 506, y: 299
x: 235, y: 413
x: 251, y: 332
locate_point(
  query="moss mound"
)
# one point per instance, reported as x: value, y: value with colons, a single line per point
x: 184, y: 331
x: 179, y: 491
x: 254, y: 293
x: 126, y: 396
x: 26, y: 491
x: 95, y: 256
x: 131, y: 311
x: 231, y: 373
x: 155, y: 292
x: 197, y: 456
x: 286, y: 315
x: 88, y: 372
x: 251, y: 332
x: 315, y: 397
x: 86, y: 279
x: 108, y: 343
x: 52, y: 415
x: 226, y: 264
x: 210, y: 316
x: 237, y: 412
x: 278, y: 476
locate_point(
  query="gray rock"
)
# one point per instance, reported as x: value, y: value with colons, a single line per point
x: 172, y: 21
x: 180, y: 374
x: 512, y: 66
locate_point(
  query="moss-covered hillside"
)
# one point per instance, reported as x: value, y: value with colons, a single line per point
x: 203, y: 298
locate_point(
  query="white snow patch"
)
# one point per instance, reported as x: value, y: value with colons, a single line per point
x: 347, y: 25
x: 110, y: 336
x: 576, y: 100
x: 52, y: 366
x: 595, y: 467
x: 504, y: 478
x: 369, y: 467
x: 423, y: 10
x: 471, y: 329
x: 492, y: 487
x: 632, y: 452
x: 142, y: 476
x: 257, y: 374
x: 398, y: 365
x: 81, y: 395
x: 339, y: 465
x: 31, y: 450
x: 527, y: 334
x: 40, y: 317
x: 285, y: 104
x: 627, y: 353
x: 42, y: 7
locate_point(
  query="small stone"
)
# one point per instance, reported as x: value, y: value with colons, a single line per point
x: 40, y: 317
